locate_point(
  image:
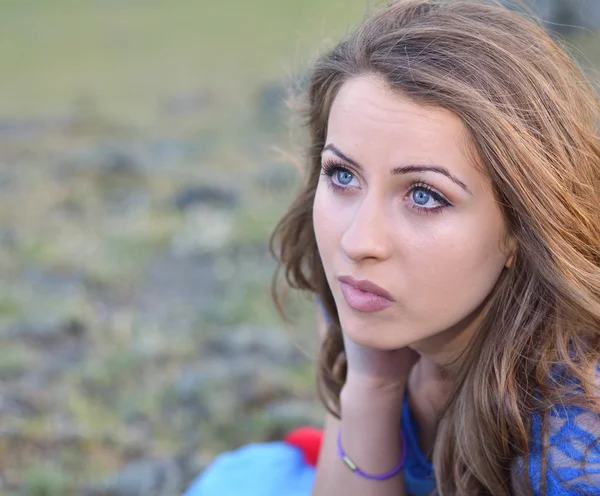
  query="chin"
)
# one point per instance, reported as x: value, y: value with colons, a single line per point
x: 383, y: 337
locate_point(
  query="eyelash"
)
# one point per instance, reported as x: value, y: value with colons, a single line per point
x: 330, y: 168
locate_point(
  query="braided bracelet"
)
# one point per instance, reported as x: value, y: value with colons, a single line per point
x: 352, y: 466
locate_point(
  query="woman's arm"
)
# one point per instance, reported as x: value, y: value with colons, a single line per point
x: 370, y: 437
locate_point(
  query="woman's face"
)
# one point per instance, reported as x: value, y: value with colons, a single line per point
x: 400, y: 204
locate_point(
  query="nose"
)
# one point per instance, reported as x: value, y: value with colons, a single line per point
x: 367, y: 236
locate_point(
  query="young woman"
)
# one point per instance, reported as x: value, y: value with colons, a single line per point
x: 450, y: 227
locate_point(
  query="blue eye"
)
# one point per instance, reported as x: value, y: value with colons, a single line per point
x: 421, y: 196
x: 426, y: 200
x: 344, y: 177
x: 339, y: 178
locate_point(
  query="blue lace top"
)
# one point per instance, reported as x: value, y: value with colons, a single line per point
x: 573, y: 455
x: 573, y: 466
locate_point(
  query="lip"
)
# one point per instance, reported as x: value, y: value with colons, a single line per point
x: 364, y: 296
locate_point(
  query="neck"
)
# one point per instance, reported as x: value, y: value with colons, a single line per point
x: 445, y: 349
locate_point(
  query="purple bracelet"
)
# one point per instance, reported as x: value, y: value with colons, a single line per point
x: 352, y: 466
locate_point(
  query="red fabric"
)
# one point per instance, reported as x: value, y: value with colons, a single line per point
x: 308, y: 439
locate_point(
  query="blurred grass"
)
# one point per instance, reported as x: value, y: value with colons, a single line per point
x: 116, y: 53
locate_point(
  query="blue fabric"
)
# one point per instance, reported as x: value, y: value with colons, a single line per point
x: 573, y: 455
x: 573, y: 466
x: 264, y: 469
x: 418, y: 470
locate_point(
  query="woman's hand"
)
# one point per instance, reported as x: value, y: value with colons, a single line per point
x: 374, y: 375
x: 374, y: 369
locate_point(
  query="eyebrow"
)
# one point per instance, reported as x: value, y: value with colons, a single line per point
x: 402, y: 170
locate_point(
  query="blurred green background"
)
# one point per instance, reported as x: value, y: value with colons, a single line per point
x: 146, y: 152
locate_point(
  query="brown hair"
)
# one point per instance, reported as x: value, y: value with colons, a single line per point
x: 532, y: 118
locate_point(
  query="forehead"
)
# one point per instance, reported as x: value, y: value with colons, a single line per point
x: 368, y: 119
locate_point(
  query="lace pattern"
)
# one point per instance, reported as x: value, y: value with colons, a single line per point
x: 573, y: 455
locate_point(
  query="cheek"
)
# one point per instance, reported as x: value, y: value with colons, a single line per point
x: 454, y: 270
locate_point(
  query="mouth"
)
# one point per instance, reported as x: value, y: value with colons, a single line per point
x: 364, y: 296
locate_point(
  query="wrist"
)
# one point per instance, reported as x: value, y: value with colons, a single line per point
x: 373, y: 385
x: 359, y: 394
x: 370, y: 432
x: 370, y: 476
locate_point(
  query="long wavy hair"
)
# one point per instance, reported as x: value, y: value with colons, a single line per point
x: 532, y: 118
